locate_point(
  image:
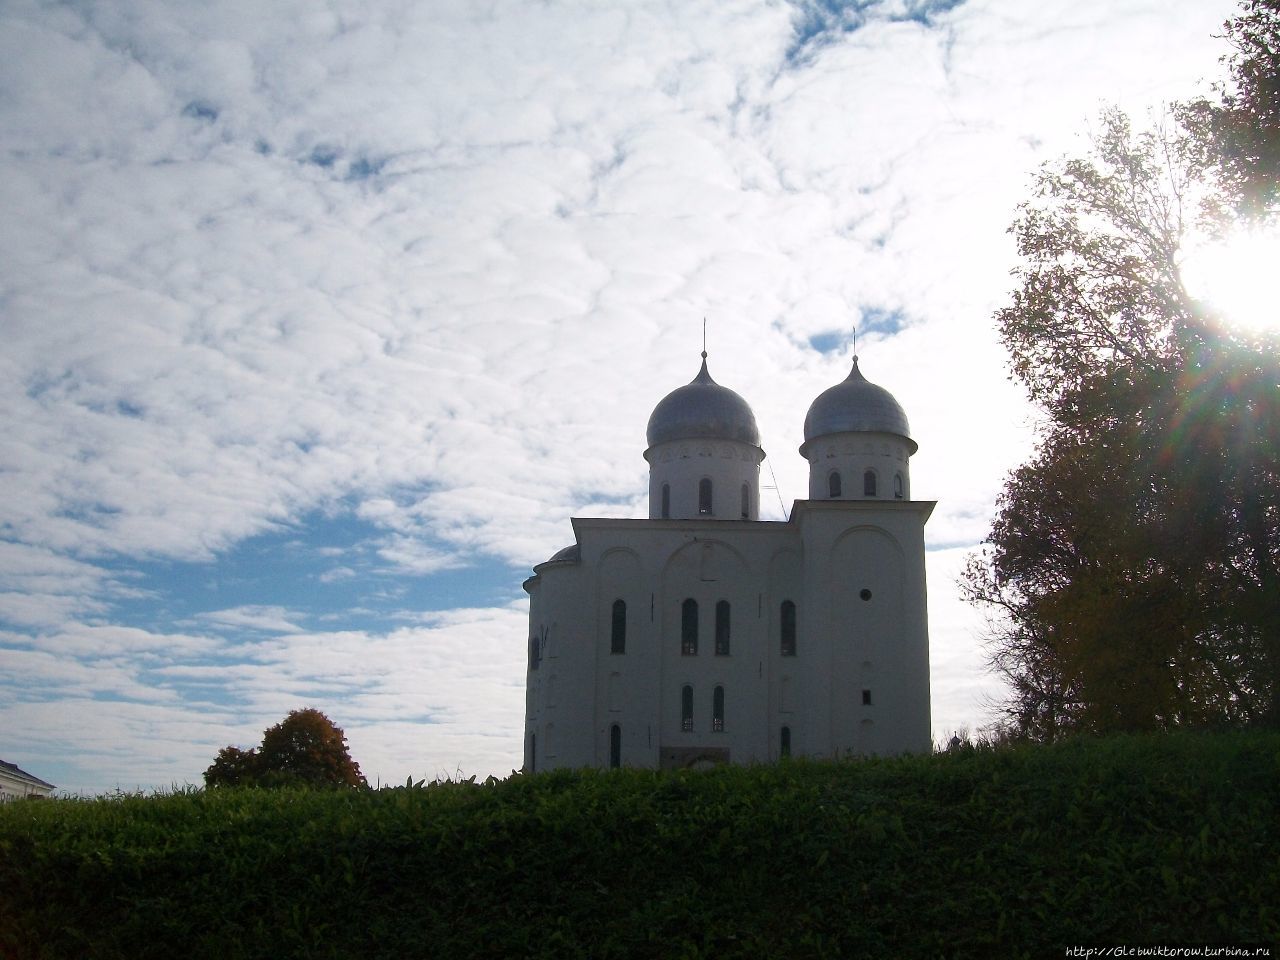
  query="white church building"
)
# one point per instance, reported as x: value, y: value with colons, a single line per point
x: 706, y: 635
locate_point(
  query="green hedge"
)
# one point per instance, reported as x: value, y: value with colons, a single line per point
x: 1014, y: 852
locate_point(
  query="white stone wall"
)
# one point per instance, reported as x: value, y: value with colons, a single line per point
x: 852, y: 455
x: 822, y: 560
x: 15, y: 788
x: 681, y: 464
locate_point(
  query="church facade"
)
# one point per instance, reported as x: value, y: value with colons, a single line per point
x: 705, y: 635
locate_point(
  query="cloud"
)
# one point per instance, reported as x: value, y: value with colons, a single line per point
x: 254, y: 618
x: 429, y: 268
x: 336, y: 574
x: 440, y: 695
x: 963, y: 693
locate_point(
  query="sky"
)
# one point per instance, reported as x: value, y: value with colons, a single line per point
x: 319, y: 321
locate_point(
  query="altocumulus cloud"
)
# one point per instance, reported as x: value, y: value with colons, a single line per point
x: 319, y: 324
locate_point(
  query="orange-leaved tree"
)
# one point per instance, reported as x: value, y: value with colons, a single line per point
x: 304, y: 749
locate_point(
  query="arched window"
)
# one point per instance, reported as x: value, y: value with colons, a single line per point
x: 722, y: 628
x: 897, y: 485
x: 717, y: 710
x: 785, y: 740
x: 615, y: 747
x: 833, y: 484
x: 788, y: 617
x: 704, y: 495
x: 618, y: 633
x: 746, y: 502
x: 869, y: 483
x: 686, y: 707
x: 666, y: 501
x: 689, y: 628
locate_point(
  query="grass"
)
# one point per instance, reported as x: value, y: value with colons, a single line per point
x: 1010, y: 852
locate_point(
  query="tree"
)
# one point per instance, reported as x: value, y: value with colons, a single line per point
x: 1134, y: 558
x: 304, y: 749
x: 1133, y: 567
x: 1240, y: 129
x: 232, y: 768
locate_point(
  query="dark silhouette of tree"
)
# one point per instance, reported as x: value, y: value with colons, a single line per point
x: 1240, y: 128
x: 304, y: 749
x: 1133, y: 567
x: 232, y: 768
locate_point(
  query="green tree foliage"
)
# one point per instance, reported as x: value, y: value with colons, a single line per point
x: 1133, y: 567
x: 304, y: 749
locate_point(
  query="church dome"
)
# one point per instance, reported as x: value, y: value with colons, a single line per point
x: 702, y: 410
x: 855, y: 406
x: 570, y: 554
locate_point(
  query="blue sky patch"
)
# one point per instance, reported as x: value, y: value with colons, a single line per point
x: 871, y: 320
x: 833, y: 341
x: 327, y: 566
x: 924, y: 11
x: 881, y: 321
x: 820, y: 23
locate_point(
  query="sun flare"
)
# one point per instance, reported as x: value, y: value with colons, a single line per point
x: 1238, y: 277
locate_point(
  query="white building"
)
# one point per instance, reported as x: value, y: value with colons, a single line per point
x: 16, y: 783
x: 704, y: 634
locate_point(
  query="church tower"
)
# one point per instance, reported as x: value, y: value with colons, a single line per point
x: 857, y: 443
x: 704, y: 454
x: 706, y: 635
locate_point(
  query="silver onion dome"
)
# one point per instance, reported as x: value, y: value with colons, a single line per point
x: 702, y: 410
x: 855, y: 405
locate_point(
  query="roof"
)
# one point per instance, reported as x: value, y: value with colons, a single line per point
x: 855, y: 405
x: 15, y: 771
x: 702, y: 410
x: 571, y: 554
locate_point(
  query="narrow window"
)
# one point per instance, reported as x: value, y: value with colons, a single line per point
x: 785, y: 739
x: 722, y: 628
x: 615, y: 747
x: 866, y: 698
x: 689, y: 628
x: 833, y: 484
x: 535, y: 653
x: 717, y: 710
x: 686, y: 708
x: 666, y: 501
x: 746, y: 502
x: 533, y: 753
x: 788, y: 628
x: 869, y: 483
x: 618, y: 634
x: 897, y: 485
x: 704, y: 495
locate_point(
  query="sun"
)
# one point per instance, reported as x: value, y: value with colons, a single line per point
x: 1238, y: 277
